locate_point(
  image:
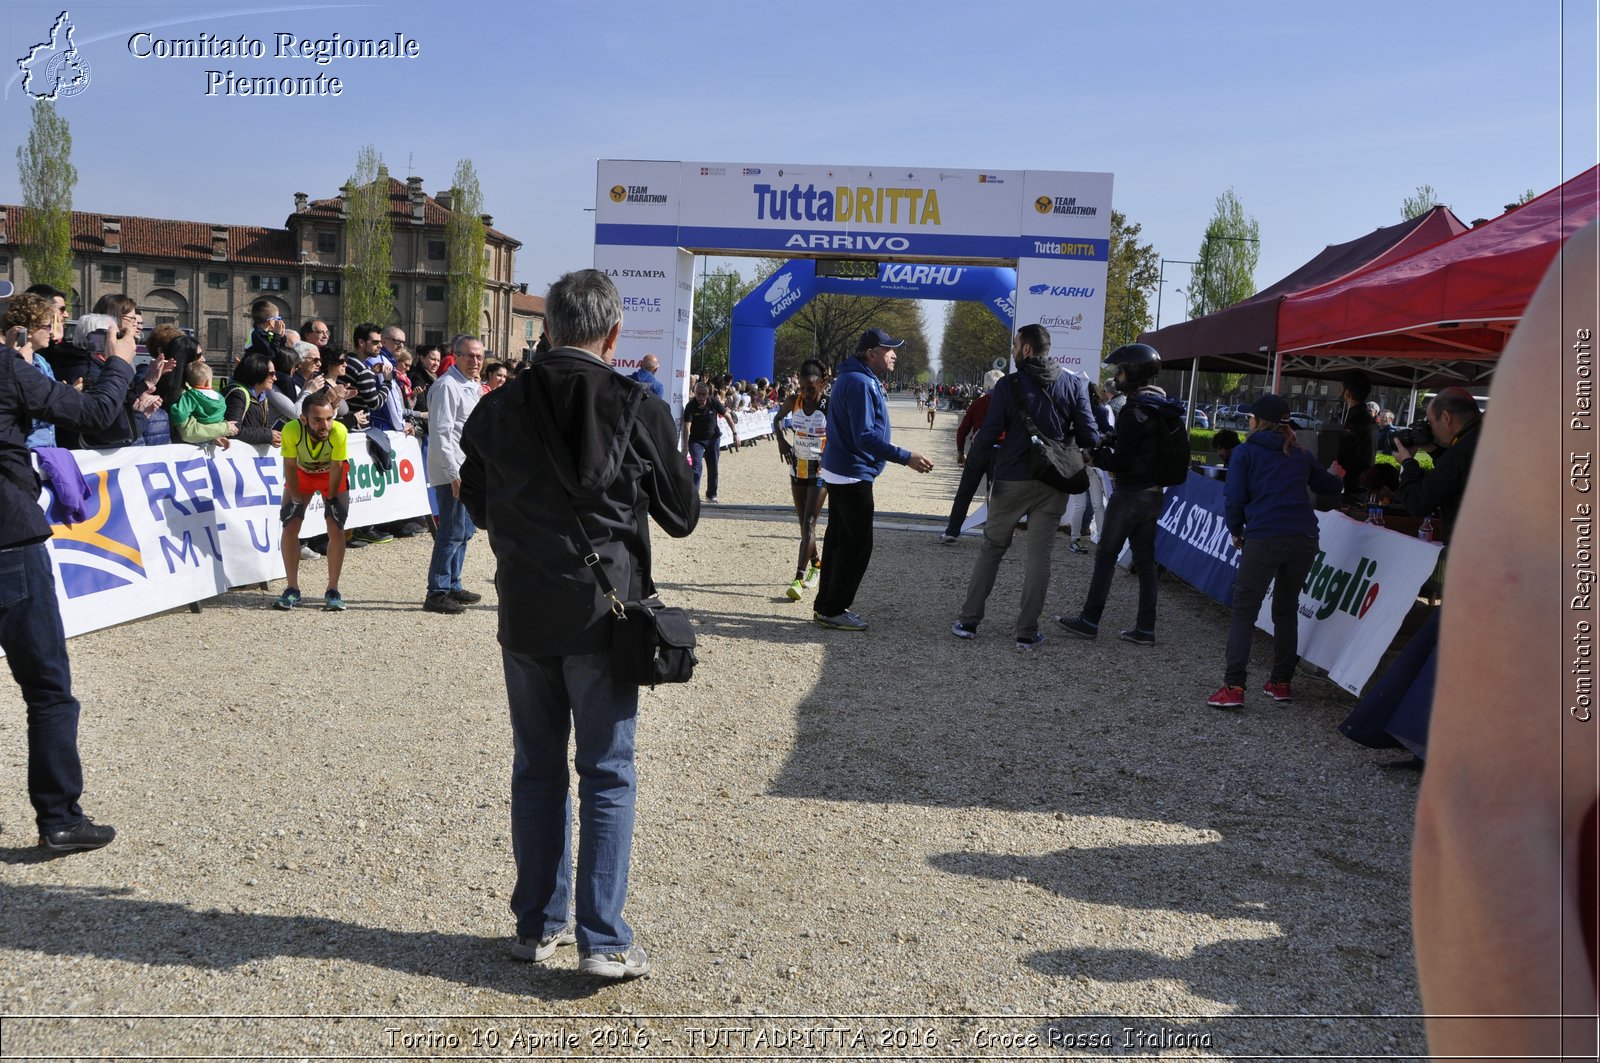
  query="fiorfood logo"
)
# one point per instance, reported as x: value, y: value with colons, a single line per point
x: 618, y: 193
x: 54, y: 68
x: 102, y: 546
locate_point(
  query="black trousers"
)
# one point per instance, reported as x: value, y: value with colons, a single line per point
x: 976, y: 468
x: 847, y: 547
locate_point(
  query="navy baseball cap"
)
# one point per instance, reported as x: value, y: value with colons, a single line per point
x: 1268, y: 409
x: 876, y: 337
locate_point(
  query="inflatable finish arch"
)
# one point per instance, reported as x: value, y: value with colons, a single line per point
x: 776, y: 299
x: 652, y: 218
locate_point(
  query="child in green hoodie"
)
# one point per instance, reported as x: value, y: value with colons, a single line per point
x: 197, y: 416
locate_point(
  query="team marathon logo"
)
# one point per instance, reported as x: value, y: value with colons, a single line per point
x: 103, y: 546
x: 636, y: 194
x: 1063, y: 205
x: 55, y: 69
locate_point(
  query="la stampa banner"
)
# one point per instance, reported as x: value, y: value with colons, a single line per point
x: 167, y: 526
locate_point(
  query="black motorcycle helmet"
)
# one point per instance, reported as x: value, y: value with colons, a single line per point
x: 1139, y: 363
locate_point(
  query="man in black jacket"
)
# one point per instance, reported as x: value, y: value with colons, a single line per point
x: 572, y: 439
x: 31, y: 632
x: 1455, y: 420
x: 1135, y: 504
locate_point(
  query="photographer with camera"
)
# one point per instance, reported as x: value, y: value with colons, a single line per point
x: 1450, y: 434
x: 31, y: 632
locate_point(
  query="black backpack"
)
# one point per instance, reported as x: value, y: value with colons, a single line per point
x: 1171, y: 466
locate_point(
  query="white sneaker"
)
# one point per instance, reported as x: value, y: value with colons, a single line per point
x: 545, y: 947
x: 631, y: 963
x: 308, y: 554
x: 813, y: 574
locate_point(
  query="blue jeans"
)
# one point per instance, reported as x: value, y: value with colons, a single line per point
x: 449, y: 542
x: 705, y: 457
x: 36, y: 649
x: 1131, y: 515
x: 550, y: 697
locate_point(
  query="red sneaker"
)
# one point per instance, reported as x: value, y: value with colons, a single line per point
x: 1277, y: 691
x: 1227, y: 698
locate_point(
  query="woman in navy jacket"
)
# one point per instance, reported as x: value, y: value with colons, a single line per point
x: 1268, y: 509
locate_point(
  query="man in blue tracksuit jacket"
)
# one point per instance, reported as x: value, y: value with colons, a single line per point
x: 858, y: 448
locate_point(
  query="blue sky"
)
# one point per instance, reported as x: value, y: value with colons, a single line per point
x: 1322, y: 120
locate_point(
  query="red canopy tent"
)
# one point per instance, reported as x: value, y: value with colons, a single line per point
x: 1242, y: 336
x: 1455, y: 301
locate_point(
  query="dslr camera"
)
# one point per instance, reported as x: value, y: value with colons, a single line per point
x: 1416, y: 435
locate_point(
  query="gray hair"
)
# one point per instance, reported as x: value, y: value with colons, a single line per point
x: 581, y: 308
x: 460, y: 341
x: 302, y: 350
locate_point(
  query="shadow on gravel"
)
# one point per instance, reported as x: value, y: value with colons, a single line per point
x: 109, y: 924
x: 1311, y: 900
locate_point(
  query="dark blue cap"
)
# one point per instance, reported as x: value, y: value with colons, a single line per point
x: 876, y: 337
x: 1268, y: 409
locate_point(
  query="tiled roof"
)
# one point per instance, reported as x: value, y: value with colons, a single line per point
x: 433, y: 213
x: 527, y: 304
x: 162, y: 238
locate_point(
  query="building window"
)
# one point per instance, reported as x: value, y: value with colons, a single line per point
x: 436, y: 249
x: 166, y: 276
x: 434, y: 293
x: 262, y: 283
x: 215, y: 279
x: 166, y: 319
x: 527, y: 332
x: 394, y: 291
x: 327, y: 242
x: 324, y: 286
x: 111, y: 273
x: 433, y: 336
x: 217, y: 334
x: 5, y: 261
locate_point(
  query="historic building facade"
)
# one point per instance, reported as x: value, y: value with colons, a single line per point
x: 203, y: 276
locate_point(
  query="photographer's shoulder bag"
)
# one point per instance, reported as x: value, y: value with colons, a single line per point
x: 651, y: 642
x: 1057, y: 463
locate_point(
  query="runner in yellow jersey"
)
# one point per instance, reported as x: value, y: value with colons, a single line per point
x: 315, y: 461
x: 807, y: 411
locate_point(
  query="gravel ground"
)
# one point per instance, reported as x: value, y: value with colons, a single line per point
x: 1003, y: 850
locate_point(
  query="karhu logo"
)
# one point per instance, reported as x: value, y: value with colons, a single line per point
x: 103, y: 547
x: 780, y: 295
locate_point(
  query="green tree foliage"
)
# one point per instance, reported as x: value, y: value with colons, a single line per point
x: 973, y: 339
x: 1418, y: 205
x: 44, y: 167
x: 370, y: 233
x: 1132, y: 273
x: 902, y: 319
x: 720, y: 291
x: 1228, y: 257
x: 464, y: 235
x: 1527, y: 196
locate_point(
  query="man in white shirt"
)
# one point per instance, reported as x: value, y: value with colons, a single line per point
x: 451, y: 400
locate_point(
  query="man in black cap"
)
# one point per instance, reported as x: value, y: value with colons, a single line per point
x: 858, y: 448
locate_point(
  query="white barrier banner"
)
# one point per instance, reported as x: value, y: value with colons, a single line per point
x: 167, y: 526
x: 750, y: 425
x: 1363, y: 584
